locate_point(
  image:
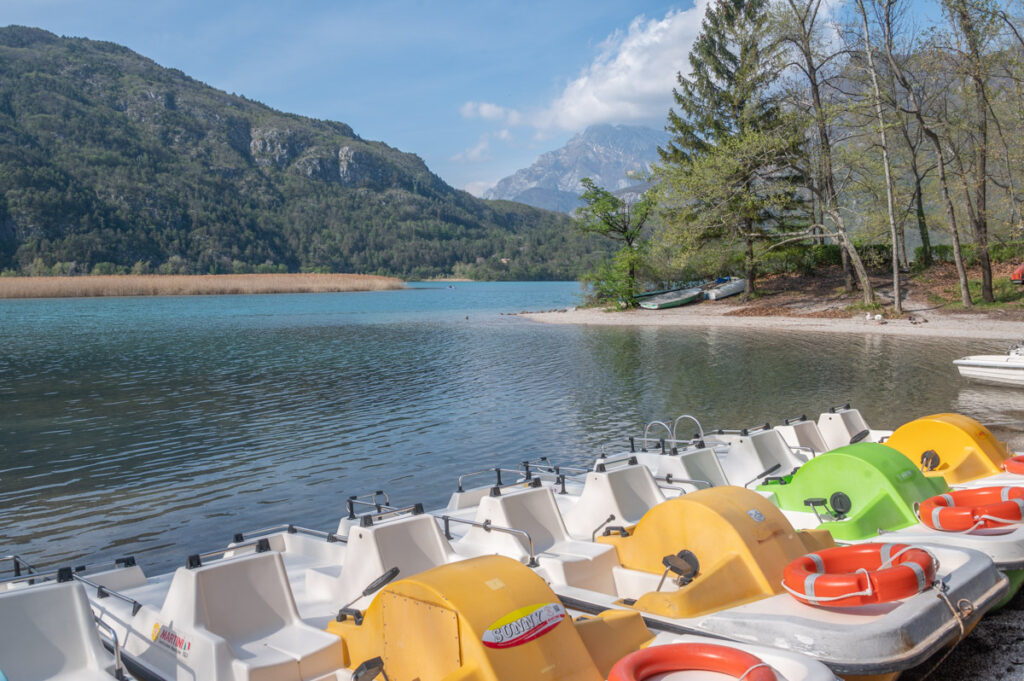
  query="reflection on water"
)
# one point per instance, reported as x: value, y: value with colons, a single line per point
x: 161, y: 426
x: 1001, y: 408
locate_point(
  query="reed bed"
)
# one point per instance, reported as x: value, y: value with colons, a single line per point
x: 190, y: 285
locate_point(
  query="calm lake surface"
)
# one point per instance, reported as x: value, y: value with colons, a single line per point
x: 161, y: 426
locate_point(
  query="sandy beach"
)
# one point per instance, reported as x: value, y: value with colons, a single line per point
x: 920, y: 320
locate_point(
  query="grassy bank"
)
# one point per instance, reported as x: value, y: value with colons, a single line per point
x: 190, y: 285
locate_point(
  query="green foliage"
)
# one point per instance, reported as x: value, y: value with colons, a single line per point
x: 728, y: 173
x: 605, y: 214
x: 105, y: 157
x: 1011, y: 252
x: 876, y: 256
x: 612, y: 282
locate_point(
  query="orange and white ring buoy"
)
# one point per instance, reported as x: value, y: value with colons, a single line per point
x: 679, y: 657
x: 860, y: 574
x: 973, y: 509
x: 1015, y: 464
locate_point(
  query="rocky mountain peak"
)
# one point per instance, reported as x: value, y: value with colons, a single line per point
x: 611, y: 155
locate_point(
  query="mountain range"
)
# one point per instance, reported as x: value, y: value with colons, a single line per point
x: 615, y: 157
x: 110, y: 162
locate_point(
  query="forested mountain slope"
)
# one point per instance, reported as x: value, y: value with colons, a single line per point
x: 108, y: 160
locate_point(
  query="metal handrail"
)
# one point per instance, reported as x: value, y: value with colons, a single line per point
x: 390, y: 513
x: 55, y: 572
x: 103, y: 592
x: 626, y: 460
x: 700, y: 428
x: 557, y: 470
x: 488, y: 527
x: 497, y: 470
x: 118, y: 663
x: 372, y: 503
x: 261, y: 545
x: 290, y: 529
x: 669, y: 478
x: 647, y: 429
x: 19, y: 562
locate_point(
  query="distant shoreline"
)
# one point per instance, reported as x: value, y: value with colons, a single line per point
x: 191, y: 285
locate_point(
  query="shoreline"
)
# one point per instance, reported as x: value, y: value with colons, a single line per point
x: 124, y: 285
x: 921, y: 322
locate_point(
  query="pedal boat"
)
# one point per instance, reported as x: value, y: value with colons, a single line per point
x: 741, y: 544
x: 47, y: 633
x: 744, y: 456
x: 958, y: 449
x: 486, y: 619
x: 233, y: 618
x: 492, y: 618
x: 870, y: 492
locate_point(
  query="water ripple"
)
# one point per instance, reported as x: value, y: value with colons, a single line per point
x: 163, y: 426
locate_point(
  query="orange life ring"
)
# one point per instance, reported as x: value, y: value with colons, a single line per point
x: 1015, y: 464
x: 678, y: 657
x: 860, y: 574
x: 973, y: 509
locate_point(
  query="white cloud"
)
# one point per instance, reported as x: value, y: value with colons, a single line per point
x: 478, y: 188
x: 481, y: 151
x: 490, y: 112
x: 632, y: 77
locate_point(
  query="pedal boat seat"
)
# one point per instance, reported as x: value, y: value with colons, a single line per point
x: 561, y: 559
x: 47, y: 633
x: 626, y: 493
x: 239, y: 619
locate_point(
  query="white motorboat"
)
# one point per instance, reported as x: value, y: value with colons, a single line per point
x: 1005, y: 369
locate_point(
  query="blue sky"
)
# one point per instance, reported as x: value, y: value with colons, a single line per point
x: 477, y: 88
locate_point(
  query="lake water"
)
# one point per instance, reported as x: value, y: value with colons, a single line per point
x: 162, y: 426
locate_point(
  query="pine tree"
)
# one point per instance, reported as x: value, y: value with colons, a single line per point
x: 727, y: 116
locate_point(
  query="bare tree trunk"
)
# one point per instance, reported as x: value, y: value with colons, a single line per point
x: 922, y: 224
x: 749, y: 288
x: 969, y: 30
x: 805, y: 17
x: 896, y: 289
x: 933, y: 138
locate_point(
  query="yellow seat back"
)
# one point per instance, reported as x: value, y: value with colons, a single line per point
x: 743, y: 543
x: 484, y: 619
x: 966, y: 449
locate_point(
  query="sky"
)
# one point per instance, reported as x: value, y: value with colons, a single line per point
x: 477, y: 88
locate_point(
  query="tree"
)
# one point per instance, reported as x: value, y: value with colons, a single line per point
x: 799, y: 25
x: 974, y: 24
x: 726, y: 172
x: 605, y: 214
x: 889, y: 11
x: 876, y: 96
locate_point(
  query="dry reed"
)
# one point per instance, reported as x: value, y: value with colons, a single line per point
x: 190, y: 285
